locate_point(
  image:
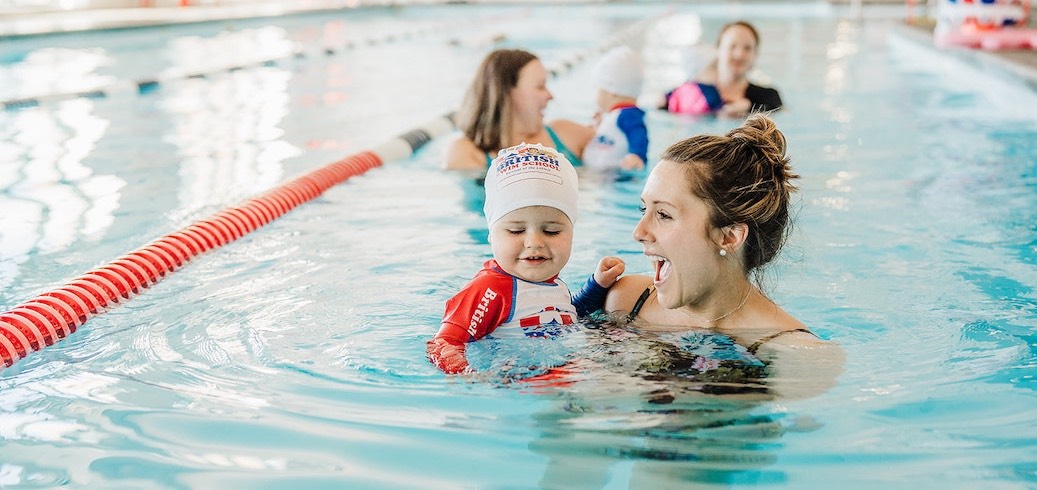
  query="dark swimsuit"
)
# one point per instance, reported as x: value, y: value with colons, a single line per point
x: 752, y: 348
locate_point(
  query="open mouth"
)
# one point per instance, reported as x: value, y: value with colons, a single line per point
x: 662, y: 267
x: 535, y: 260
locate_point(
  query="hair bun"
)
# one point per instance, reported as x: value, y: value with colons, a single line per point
x: 745, y: 177
x: 761, y: 134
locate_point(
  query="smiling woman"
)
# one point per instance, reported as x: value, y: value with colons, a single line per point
x: 724, y: 87
x: 504, y: 106
x: 716, y: 209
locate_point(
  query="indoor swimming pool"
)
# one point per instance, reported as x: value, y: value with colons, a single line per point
x: 295, y: 355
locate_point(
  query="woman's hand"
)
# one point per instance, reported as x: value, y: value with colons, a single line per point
x: 735, y: 108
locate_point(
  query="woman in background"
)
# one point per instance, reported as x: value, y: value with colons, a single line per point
x: 723, y: 87
x: 504, y: 106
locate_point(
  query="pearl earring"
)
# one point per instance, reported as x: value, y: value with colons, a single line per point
x: 723, y: 252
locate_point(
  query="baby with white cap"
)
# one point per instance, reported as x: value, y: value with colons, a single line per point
x: 621, y: 137
x: 532, y: 193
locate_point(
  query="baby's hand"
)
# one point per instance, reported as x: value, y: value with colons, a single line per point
x: 632, y: 162
x: 609, y: 270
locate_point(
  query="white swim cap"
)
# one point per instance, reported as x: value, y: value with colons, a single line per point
x: 530, y: 175
x: 620, y: 71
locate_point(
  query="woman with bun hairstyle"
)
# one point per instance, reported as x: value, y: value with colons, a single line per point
x: 715, y: 211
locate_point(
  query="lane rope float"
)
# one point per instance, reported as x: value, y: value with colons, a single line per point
x: 55, y: 314
x: 147, y: 85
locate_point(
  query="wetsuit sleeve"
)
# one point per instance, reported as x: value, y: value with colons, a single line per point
x: 591, y: 297
x: 632, y: 123
x: 763, y: 98
x: 470, y: 315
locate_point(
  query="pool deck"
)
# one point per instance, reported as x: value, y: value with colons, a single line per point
x: 1018, y: 65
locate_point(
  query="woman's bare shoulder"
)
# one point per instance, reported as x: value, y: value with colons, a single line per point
x: 787, y: 336
x: 462, y: 154
x: 573, y: 134
x: 624, y: 294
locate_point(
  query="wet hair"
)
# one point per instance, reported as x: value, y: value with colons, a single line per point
x: 485, y: 112
x: 743, y: 176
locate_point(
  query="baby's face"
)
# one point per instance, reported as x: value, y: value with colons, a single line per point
x: 532, y: 243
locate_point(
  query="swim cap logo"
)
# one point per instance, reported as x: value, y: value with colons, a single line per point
x: 528, y: 162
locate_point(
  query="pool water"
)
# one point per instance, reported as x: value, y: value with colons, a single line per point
x: 295, y: 355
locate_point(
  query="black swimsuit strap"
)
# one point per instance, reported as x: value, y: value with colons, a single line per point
x: 640, y: 303
x: 756, y: 345
x: 752, y: 348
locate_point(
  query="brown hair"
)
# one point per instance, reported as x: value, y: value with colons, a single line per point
x: 756, y: 34
x: 485, y: 112
x: 745, y: 177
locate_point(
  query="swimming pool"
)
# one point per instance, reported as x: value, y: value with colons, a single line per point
x: 295, y: 355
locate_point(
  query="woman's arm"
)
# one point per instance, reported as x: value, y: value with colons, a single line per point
x: 462, y: 154
x: 735, y: 108
x: 802, y: 365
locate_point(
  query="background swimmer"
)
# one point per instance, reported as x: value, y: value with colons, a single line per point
x: 621, y: 138
x: 504, y: 106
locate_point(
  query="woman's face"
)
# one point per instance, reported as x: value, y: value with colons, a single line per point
x: 530, y: 96
x: 736, y: 51
x: 676, y: 236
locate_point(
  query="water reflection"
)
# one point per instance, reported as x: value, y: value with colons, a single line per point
x: 49, y: 197
x: 47, y: 71
x: 643, y: 409
x: 189, y: 55
x: 674, y: 52
x: 228, y: 133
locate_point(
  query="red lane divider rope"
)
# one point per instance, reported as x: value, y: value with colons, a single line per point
x: 55, y: 314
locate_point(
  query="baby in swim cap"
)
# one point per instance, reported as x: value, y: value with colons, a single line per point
x: 532, y: 193
x: 620, y: 137
x: 531, y: 175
